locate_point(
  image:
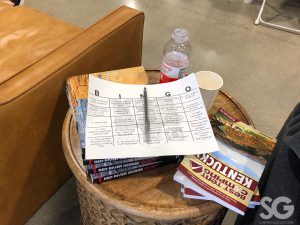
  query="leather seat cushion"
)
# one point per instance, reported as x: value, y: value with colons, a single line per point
x: 26, y: 36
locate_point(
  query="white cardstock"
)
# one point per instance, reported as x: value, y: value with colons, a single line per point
x: 115, y: 123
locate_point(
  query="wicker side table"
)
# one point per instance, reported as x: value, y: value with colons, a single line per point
x: 148, y: 198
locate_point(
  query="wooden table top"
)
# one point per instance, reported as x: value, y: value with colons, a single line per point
x: 152, y: 194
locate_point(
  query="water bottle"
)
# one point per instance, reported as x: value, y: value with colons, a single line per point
x: 176, y: 56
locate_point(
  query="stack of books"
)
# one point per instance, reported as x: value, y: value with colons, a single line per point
x: 100, y: 170
x: 229, y: 176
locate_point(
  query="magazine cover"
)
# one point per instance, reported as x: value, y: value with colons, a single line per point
x: 229, y: 176
x: 243, y: 137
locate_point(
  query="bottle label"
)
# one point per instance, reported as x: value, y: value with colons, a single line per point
x: 169, y: 73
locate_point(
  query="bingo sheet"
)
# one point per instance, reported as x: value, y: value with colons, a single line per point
x: 115, y: 123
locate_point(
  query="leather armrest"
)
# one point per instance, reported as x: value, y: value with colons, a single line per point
x: 113, y: 42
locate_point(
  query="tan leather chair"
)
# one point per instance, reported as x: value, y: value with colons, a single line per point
x: 37, y: 53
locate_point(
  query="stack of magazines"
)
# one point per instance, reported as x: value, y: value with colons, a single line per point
x: 229, y: 176
x: 100, y: 170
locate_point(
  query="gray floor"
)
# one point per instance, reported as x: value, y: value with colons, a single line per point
x: 260, y: 66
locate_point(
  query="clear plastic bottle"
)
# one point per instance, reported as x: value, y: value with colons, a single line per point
x: 176, y: 56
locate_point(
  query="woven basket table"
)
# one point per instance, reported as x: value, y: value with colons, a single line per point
x: 148, y: 198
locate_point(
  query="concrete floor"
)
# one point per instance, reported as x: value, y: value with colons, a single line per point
x: 260, y: 66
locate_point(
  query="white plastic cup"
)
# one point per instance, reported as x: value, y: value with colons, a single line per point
x: 209, y: 84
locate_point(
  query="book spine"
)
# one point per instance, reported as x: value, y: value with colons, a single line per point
x: 117, y: 161
x: 113, y: 165
x: 102, y: 177
x: 111, y: 162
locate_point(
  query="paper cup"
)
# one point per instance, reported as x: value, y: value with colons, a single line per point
x: 209, y: 84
